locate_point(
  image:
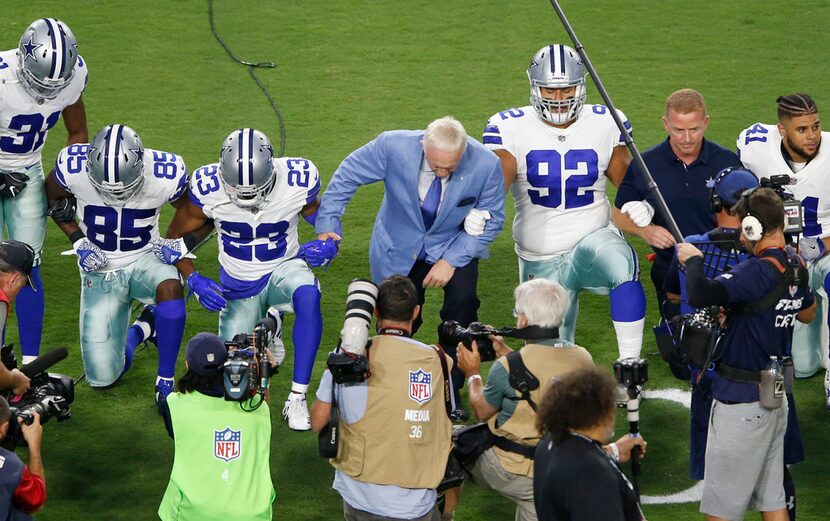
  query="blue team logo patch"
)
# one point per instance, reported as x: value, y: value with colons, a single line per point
x: 227, y: 444
x: 420, y: 386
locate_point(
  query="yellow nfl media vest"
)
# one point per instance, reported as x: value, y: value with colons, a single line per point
x: 546, y: 363
x: 404, y: 437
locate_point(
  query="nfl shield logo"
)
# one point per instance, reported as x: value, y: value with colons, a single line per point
x: 227, y: 444
x: 420, y: 386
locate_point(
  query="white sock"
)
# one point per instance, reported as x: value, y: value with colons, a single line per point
x: 27, y: 359
x: 299, y: 388
x: 630, y: 338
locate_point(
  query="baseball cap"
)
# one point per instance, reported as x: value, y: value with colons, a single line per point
x: 18, y: 256
x: 205, y: 353
x: 731, y: 182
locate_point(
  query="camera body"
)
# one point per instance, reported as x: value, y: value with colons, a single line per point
x: 450, y: 333
x: 793, y: 219
x: 49, y: 395
x: 247, y: 370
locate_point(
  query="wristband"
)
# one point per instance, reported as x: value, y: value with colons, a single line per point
x: 474, y: 377
x: 615, y: 451
x: 76, y: 236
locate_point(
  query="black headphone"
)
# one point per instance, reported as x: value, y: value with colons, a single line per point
x: 715, y: 201
x: 750, y: 225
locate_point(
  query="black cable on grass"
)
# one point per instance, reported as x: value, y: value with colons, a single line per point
x: 251, y: 66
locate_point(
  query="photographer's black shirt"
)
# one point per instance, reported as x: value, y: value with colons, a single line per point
x: 577, y: 481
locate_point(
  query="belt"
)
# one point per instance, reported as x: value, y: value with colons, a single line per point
x: 740, y: 375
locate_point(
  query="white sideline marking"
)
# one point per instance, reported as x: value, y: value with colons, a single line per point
x: 694, y: 493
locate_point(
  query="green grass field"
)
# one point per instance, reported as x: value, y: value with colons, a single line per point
x: 345, y: 72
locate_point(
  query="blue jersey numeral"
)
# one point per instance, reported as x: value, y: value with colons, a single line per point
x: 599, y: 109
x: 544, y: 172
x: 237, y: 238
x: 3, y: 64
x: 298, y: 174
x: 75, y: 158
x: 756, y: 129
x: 206, y: 179
x: 811, y: 226
x: 104, y: 230
x: 512, y: 113
x: 164, y: 165
x: 32, y: 132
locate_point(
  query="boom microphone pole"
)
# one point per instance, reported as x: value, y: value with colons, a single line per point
x: 629, y: 141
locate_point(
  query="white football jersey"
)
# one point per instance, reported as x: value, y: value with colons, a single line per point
x: 23, y: 123
x: 759, y: 148
x: 253, y: 243
x: 559, y: 189
x: 123, y: 233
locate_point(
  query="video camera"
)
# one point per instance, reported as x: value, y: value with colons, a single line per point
x: 792, y: 206
x: 49, y: 394
x: 450, y: 333
x: 247, y: 371
x: 348, y: 362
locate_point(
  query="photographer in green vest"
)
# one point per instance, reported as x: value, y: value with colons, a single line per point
x: 221, y: 468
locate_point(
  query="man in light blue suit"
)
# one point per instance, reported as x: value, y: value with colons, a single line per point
x: 443, y: 205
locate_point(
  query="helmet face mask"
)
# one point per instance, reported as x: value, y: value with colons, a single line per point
x: 47, y: 55
x: 246, y: 168
x: 116, y: 164
x: 557, y: 67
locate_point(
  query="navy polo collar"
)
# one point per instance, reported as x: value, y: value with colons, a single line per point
x: 703, y: 158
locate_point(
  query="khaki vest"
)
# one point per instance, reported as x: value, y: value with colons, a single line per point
x: 404, y: 437
x: 545, y: 362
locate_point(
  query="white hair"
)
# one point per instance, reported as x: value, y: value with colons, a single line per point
x: 446, y: 134
x: 542, y: 301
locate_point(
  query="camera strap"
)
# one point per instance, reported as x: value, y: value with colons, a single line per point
x: 393, y: 331
x: 521, y: 379
x: 442, y: 356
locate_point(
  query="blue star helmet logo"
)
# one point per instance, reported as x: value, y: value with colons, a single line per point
x: 30, y: 48
x: 138, y: 155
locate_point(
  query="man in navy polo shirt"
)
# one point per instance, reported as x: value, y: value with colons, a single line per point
x: 681, y: 166
x: 764, y: 296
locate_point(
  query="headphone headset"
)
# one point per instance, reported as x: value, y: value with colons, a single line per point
x: 750, y: 225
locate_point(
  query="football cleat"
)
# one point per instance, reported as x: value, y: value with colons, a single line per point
x: 827, y: 389
x: 164, y: 386
x: 147, y: 322
x: 296, y: 412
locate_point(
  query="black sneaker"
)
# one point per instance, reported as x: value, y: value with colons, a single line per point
x: 147, y: 317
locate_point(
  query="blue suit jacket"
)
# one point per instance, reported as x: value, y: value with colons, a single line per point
x: 394, y: 157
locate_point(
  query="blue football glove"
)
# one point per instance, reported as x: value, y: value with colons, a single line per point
x: 318, y: 253
x: 170, y: 251
x: 90, y: 256
x: 208, y: 292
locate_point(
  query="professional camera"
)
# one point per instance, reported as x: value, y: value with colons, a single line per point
x: 49, y: 395
x: 450, y: 333
x: 247, y: 370
x: 631, y: 372
x: 348, y: 362
x: 792, y: 206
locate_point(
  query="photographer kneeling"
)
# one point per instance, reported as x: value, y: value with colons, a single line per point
x: 394, y: 426
x: 221, y: 469
x: 764, y: 296
x: 22, y: 488
x: 16, y: 260
x: 515, y: 385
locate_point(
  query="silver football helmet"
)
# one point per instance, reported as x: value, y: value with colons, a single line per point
x: 47, y: 54
x: 557, y: 67
x: 116, y: 164
x: 246, y: 168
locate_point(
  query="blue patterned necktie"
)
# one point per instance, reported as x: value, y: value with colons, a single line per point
x: 429, y: 208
